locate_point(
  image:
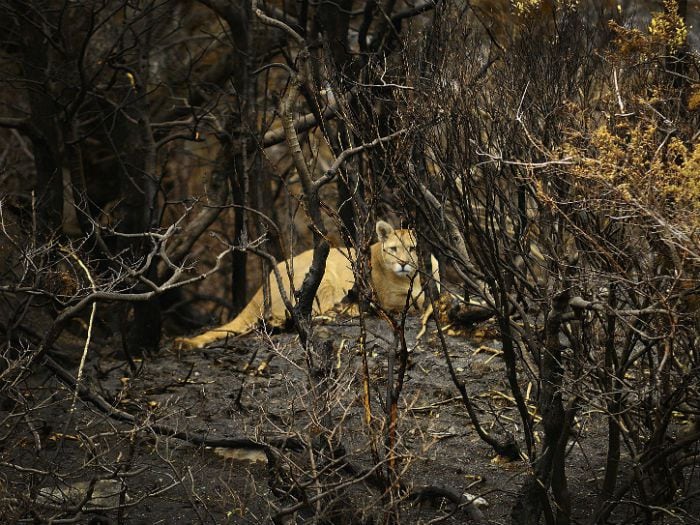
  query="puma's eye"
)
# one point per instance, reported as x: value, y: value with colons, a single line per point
x: 412, y: 248
x: 392, y: 249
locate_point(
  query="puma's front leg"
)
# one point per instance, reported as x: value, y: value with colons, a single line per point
x: 242, y: 324
x: 200, y: 341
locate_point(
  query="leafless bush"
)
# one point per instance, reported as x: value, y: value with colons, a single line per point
x: 589, y: 307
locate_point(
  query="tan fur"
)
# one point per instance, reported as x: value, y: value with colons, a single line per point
x: 393, y: 267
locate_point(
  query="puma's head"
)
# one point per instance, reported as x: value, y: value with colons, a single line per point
x: 398, y: 250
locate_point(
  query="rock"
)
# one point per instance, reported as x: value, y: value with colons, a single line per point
x: 478, y: 502
x: 241, y: 454
x: 105, y: 494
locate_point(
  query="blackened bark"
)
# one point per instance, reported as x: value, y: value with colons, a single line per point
x: 239, y: 258
x: 135, y: 146
x: 346, y: 209
x: 307, y: 292
x: 508, y: 447
x: 333, y: 21
x: 510, y: 360
x: 418, y: 169
x: 612, y: 463
x: 49, y: 185
x: 235, y: 143
x: 78, y: 196
x: 549, y: 467
x: 39, y: 66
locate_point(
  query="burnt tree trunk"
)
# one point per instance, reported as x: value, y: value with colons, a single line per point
x: 333, y: 21
x: 549, y: 471
x: 136, y: 150
x: 239, y: 258
x: 235, y: 143
x: 41, y: 65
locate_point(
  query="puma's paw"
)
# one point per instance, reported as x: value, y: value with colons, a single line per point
x: 187, y: 343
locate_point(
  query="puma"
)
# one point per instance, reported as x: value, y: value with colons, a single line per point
x: 394, y: 269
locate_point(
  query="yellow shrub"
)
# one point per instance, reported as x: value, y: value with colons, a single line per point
x: 643, y: 167
x: 668, y: 27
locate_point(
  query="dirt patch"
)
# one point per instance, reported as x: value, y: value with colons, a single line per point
x: 266, y: 388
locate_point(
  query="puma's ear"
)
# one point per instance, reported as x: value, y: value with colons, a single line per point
x: 384, y: 229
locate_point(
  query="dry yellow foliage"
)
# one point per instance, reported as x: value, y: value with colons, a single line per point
x: 694, y: 99
x: 529, y: 8
x: 525, y: 7
x: 640, y: 159
x: 645, y: 167
x: 667, y: 30
x: 668, y: 27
